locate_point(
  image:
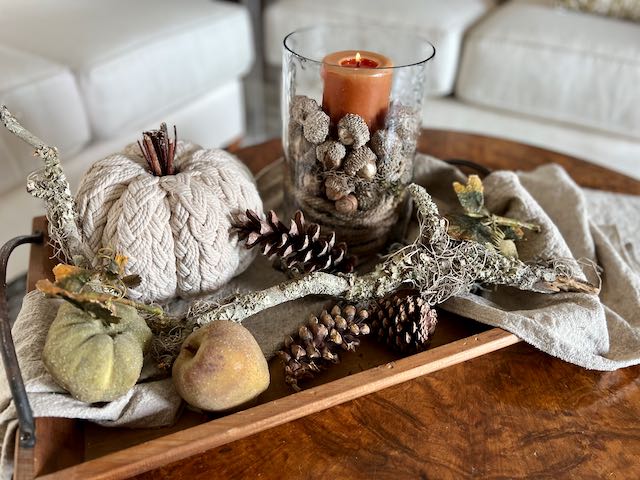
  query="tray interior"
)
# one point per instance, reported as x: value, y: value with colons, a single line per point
x: 65, y: 443
x: 99, y: 441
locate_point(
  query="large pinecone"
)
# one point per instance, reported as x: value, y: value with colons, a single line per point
x: 404, y: 321
x: 318, y: 343
x: 300, y: 247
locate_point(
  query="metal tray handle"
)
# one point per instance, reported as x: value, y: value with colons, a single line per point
x: 26, y: 423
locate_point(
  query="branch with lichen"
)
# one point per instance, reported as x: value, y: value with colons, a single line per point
x: 50, y: 184
x: 439, y: 266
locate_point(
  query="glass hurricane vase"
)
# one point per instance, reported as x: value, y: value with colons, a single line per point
x: 351, y: 109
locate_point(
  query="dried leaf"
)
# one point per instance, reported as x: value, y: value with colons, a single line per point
x: 479, y: 225
x: 131, y: 281
x: 96, y: 304
x: 471, y: 196
x: 472, y: 229
x: 71, y: 278
x: 513, y: 233
x: 96, y: 291
x: 62, y: 271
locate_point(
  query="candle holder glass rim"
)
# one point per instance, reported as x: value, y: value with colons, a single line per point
x: 337, y: 65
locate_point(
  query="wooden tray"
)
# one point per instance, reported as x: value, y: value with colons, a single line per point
x: 72, y: 449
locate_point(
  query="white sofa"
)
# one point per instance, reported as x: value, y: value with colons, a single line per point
x: 88, y: 77
x: 521, y: 69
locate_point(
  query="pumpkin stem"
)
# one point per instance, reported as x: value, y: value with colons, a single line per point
x: 158, y: 150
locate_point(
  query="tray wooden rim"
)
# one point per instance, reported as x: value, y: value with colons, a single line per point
x: 191, y: 441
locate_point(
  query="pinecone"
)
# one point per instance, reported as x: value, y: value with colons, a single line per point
x: 318, y: 343
x: 404, y: 321
x: 300, y: 247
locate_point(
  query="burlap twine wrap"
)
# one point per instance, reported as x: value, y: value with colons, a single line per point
x: 365, y: 232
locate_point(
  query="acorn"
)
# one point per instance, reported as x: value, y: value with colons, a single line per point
x: 316, y: 127
x: 353, y: 130
x: 386, y: 143
x: 301, y: 107
x: 336, y: 187
x: 347, y: 204
x: 368, y: 171
x: 367, y: 197
x: 357, y: 159
x: 330, y: 154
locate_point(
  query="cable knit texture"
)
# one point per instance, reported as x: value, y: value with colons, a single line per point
x: 175, y: 229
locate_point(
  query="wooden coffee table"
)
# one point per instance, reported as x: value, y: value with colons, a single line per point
x: 513, y: 413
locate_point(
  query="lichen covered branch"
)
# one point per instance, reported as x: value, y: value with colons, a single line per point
x: 50, y: 184
x: 243, y: 306
x: 439, y: 266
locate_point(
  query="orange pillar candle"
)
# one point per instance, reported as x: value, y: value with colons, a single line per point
x: 357, y: 82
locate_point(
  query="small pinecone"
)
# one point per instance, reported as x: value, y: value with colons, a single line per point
x: 319, y: 343
x: 404, y: 321
x: 300, y: 247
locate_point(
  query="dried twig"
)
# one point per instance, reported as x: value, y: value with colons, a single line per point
x: 50, y: 184
x: 437, y: 265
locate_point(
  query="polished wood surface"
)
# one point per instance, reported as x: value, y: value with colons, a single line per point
x: 509, y: 414
x: 513, y: 413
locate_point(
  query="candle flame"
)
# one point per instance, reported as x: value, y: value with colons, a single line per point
x: 358, y: 57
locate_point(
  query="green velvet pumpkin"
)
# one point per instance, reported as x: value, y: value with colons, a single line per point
x: 94, y: 360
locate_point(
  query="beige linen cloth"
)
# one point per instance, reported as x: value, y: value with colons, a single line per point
x: 597, y: 333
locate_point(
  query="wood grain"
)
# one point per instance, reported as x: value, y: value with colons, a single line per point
x: 500, y: 154
x: 227, y: 429
x: 512, y: 414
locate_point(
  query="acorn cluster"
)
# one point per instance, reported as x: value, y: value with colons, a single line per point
x: 352, y: 167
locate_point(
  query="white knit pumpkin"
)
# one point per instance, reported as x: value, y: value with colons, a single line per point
x: 175, y: 229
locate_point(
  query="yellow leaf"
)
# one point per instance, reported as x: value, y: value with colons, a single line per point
x: 474, y: 184
x: 121, y: 261
x: 471, y: 196
x: 62, y: 271
x: 45, y: 286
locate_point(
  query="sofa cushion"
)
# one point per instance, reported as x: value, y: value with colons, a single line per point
x: 442, y: 23
x: 530, y: 58
x: 39, y: 93
x: 626, y: 9
x: 134, y: 60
